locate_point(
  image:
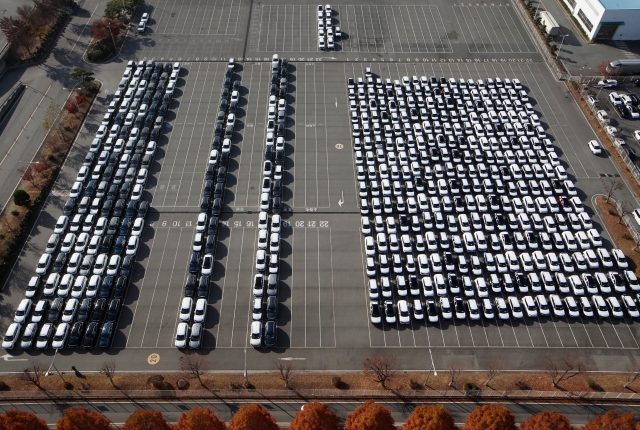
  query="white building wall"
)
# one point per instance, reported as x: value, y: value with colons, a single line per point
x: 596, y: 13
x: 631, y: 18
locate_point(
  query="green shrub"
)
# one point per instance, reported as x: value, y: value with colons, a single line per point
x: 21, y: 198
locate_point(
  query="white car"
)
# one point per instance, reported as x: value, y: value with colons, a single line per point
x: 200, y: 311
x: 595, y: 147
x: 256, y: 334
x: 22, y: 311
x: 636, y: 135
x: 608, y: 83
x: 60, y: 337
x: 182, y: 334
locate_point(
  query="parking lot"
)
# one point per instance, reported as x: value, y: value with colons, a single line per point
x: 323, y: 299
x: 182, y: 31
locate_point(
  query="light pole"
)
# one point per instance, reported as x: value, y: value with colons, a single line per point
x: 561, y: 42
x: 52, y: 361
x: 115, y: 48
x: 245, y: 365
x: 29, y: 162
x: 435, y: 373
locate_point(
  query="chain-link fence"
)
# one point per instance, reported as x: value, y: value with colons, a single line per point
x: 307, y: 395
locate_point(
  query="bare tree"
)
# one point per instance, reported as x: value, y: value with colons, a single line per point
x: 382, y: 366
x: 494, y: 368
x: 611, y: 186
x: 455, y: 369
x: 284, y: 368
x: 17, y: 31
x: 561, y: 369
x: 50, y: 115
x: 195, y: 365
x: 108, y: 369
x: 632, y: 372
x: 623, y: 208
x: 32, y: 375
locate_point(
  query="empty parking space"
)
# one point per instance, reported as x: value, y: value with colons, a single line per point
x: 489, y: 28
x: 190, y: 31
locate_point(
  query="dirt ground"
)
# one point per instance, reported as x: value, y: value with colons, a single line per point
x: 353, y: 381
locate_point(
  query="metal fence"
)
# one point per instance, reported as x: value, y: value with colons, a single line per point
x: 549, y: 58
x: 306, y: 395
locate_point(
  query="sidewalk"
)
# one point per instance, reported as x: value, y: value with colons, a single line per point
x: 578, y: 56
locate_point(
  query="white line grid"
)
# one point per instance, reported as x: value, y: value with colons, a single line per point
x: 489, y: 28
x: 365, y: 28
x: 206, y: 18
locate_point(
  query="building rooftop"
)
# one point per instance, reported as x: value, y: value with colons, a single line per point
x: 620, y: 4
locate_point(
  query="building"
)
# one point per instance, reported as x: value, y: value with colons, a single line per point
x: 607, y: 19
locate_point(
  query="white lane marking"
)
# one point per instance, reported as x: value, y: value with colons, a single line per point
x: 155, y: 287
x: 85, y: 27
x: 333, y: 293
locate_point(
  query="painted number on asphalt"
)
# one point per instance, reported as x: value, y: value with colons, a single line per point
x: 153, y: 358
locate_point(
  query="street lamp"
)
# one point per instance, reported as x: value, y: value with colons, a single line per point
x: 29, y: 162
x: 115, y: 48
x: 561, y: 42
x: 245, y: 365
x: 435, y: 373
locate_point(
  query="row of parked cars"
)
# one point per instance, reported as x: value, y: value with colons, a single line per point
x: 470, y: 214
x: 265, y: 306
x: 82, y: 277
x: 194, y: 305
x: 327, y: 33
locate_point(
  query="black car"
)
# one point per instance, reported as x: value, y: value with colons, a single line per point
x: 224, y: 159
x: 279, y: 157
x: 144, y: 134
x: 203, y: 287
x: 84, y: 311
x: 60, y: 261
x: 270, y: 334
x: 125, y: 227
x: 211, y: 172
x: 522, y: 281
x: 121, y: 286
x: 143, y: 209
x: 125, y: 190
x: 233, y: 106
x: 88, y: 159
x: 277, y: 205
x: 75, y: 335
x: 107, y: 242
x: 113, y: 310
x: 219, y: 191
x: 127, y: 265
x: 135, y: 158
x: 204, y: 204
x: 210, y: 247
x: 223, y: 106
x: 91, y: 188
x: 132, y: 208
x: 274, y: 90
x: 90, y: 335
x: 213, y: 226
x: 146, y: 161
x: 69, y: 206
x: 55, y: 310
x: 106, y: 333
x: 216, y: 208
x: 272, y: 308
x: 208, y: 187
x: 190, y: 286
x: 98, y: 310
x: 104, y: 291
x: 118, y: 208
x: 120, y: 245
x: 194, y: 263
x: 222, y: 174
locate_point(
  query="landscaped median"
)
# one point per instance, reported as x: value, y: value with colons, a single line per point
x: 110, y: 31
x: 37, y: 176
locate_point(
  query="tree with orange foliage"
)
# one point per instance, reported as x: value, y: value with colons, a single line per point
x: 100, y: 28
x: 547, y: 420
x: 252, y: 417
x: 315, y: 416
x: 21, y: 420
x: 490, y: 417
x: 199, y: 419
x: 143, y: 419
x: 430, y: 417
x: 611, y: 421
x: 370, y: 416
x: 71, y: 107
x: 82, y: 419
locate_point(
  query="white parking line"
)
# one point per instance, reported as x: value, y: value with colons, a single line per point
x: 224, y: 282
x: 235, y: 301
x: 253, y: 139
x: 395, y: 22
x: 166, y: 298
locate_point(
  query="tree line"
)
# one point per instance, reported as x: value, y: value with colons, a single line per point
x: 318, y: 416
